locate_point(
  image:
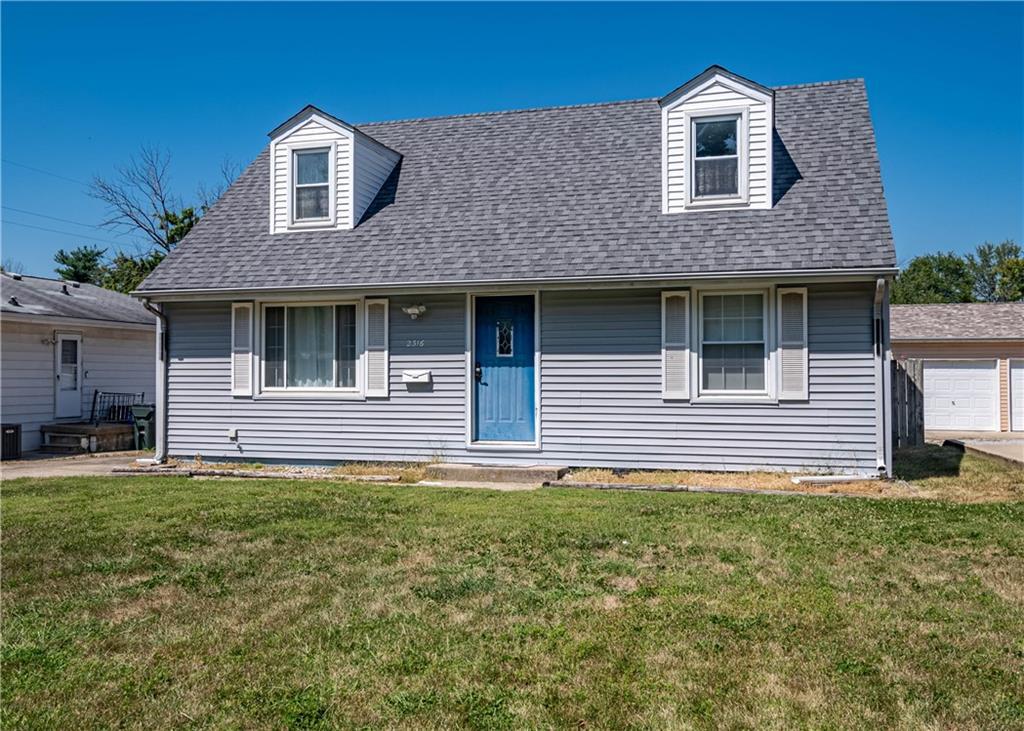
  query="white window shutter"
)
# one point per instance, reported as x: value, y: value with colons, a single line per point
x: 675, y: 345
x: 377, y: 366
x: 241, y: 349
x: 793, y: 343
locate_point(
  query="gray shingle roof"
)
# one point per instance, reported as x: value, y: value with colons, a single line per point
x: 559, y: 193
x: 42, y: 297
x: 976, y: 321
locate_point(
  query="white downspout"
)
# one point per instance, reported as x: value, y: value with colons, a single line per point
x: 883, y: 380
x: 161, y: 385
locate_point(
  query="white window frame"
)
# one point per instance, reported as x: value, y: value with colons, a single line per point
x: 343, y: 392
x: 740, y: 115
x: 332, y: 187
x: 768, y: 392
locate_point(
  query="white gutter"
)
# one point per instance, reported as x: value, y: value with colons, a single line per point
x: 628, y: 279
x: 161, y: 385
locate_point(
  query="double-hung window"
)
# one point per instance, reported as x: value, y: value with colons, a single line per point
x: 733, y: 343
x: 310, y: 347
x: 716, y: 158
x: 311, y: 194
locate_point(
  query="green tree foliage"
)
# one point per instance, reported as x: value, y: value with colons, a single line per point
x: 986, y: 265
x: 991, y: 273
x: 177, y: 224
x: 125, y: 273
x: 1011, y: 281
x: 84, y: 264
x: 933, y: 278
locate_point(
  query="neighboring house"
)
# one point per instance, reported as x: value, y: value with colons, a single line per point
x: 973, y: 363
x: 697, y: 281
x: 61, y: 341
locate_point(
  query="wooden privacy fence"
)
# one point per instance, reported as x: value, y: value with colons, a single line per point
x: 907, y: 403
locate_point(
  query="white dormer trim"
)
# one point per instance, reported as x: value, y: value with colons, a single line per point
x: 686, y: 92
x: 752, y: 105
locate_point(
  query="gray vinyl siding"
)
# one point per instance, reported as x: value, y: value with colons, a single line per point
x: 113, y: 359
x: 600, y: 394
x: 373, y: 165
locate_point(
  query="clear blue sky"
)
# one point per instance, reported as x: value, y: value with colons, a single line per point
x: 84, y: 85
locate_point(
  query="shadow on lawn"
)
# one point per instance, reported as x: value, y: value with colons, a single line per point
x: 930, y: 460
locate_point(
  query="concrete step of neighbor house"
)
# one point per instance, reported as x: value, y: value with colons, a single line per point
x: 65, y: 446
x: 55, y: 441
x: 447, y: 472
x: 67, y: 437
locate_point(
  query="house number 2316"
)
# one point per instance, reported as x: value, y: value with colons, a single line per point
x: 414, y: 343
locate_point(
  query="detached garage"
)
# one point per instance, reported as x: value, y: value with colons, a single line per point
x: 973, y: 358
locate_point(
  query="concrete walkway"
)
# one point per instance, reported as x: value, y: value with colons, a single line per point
x: 1003, y: 445
x: 1005, y: 449
x: 47, y: 465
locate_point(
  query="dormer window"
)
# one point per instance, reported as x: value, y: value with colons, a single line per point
x: 324, y: 173
x: 716, y: 159
x: 312, y: 194
x: 717, y: 143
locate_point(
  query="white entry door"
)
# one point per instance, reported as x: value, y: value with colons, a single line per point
x: 69, y: 376
x: 1017, y: 395
x: 961, y: 395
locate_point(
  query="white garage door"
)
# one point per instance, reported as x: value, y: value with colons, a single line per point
x: 1017, y: 395
x: 961, y: 395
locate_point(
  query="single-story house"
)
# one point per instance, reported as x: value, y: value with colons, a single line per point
x: 694, y: 281
x: 973, y: 363
x: 60, y: 342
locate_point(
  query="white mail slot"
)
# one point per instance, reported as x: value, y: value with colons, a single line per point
x: 415, y: 376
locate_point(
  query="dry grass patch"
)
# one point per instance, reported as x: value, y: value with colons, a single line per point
x: 930, y: 471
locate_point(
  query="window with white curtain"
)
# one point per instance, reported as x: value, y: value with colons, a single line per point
x: 311, y: 182
x: 310, y: 347
x: 716, y: 161
x: 733, y: 343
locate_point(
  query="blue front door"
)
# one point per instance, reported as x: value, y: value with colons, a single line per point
x: 503, y: 370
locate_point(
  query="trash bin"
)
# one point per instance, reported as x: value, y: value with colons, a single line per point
x: 144, y: 420
x: 11, y: 441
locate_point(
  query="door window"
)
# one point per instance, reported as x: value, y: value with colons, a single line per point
x: 68, y: 365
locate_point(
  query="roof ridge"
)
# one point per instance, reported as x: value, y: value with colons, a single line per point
x: 583, y: 105
x: 811, y: 84
x: 498, y: 112
x: 45, y: 279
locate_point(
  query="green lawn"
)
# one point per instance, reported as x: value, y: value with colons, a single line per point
x: 166, y: 602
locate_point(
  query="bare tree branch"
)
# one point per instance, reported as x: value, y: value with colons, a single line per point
x: 208, y: 195
x: 12, y: 265
x: 139, y: 197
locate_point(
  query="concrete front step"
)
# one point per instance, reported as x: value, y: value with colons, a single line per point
x: 536, y: 474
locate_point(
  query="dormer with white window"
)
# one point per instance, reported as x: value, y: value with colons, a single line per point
x: 717, y: 144
x: 324, y: 173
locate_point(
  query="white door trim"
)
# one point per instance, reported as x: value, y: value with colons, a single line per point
x: 71, y: 411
